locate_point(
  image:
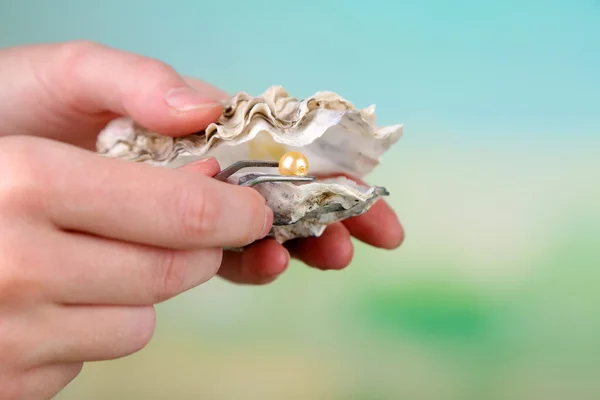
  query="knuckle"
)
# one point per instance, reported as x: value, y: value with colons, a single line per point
x: 172, y: 273
x: 71, y: 55
x: 16, y: 281
x: 198, y: 215
x: 22, y: 174
x: 16, y: 288
x: 18, y: 159
x: 78, y: 47
x: 256, y: 208
x: 70, y: 59
x: 151, y: 67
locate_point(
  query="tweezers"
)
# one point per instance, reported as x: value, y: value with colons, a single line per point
x: 255, y: 179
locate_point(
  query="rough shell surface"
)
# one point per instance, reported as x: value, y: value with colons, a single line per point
x: 305, y: 210
x: 336, y: 137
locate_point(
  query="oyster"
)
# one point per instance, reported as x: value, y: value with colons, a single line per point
x: 337, y: 138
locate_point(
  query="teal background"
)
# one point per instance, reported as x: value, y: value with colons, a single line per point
x: 494, y: 294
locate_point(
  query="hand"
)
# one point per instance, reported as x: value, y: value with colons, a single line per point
x: 74, y: 89
x: 89, y: 244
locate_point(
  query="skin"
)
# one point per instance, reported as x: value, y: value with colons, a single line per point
x: 89, y: 244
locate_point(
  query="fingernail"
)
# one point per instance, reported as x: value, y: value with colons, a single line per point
x: 268, y: 221
x: 186, y: 99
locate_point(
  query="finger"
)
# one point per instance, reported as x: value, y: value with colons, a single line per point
x: 75, y: 88
x: 139, y: 203
x: 210, y: 90
x: 377, y: 227
x: 99, y: 79
x: 260, y: 263
x: 93, y: 333
x: 205, y: 166
x: 46, y: 381
x: 332, y: 250
x: 100, y: 271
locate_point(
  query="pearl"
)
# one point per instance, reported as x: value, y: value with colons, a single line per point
x: 293, y: 163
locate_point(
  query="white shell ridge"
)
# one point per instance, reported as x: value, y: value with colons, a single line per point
x: 336, y: 136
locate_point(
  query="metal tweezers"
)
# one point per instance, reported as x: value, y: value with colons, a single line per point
x: 255, y: 179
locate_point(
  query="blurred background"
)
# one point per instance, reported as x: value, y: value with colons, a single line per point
x: 495, y: 292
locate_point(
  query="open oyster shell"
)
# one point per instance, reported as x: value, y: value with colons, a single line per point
x: 336, y: 137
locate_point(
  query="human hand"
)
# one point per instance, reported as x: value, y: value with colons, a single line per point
x: 89, y: 244
x: 74, y: 89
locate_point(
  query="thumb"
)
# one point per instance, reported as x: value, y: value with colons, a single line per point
x: 78, y: 86
x: 99, y: 79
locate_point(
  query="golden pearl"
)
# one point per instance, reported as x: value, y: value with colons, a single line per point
x: 293, y: 163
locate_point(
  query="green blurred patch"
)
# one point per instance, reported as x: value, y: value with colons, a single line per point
x: 438, y: 311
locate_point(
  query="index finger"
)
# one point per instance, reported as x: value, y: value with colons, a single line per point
x: 148, y: 205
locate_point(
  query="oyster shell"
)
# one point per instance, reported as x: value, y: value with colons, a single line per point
x: 337, y: 138
x: 305, y: 210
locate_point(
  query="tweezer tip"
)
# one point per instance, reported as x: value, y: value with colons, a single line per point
x: 235, y: 167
